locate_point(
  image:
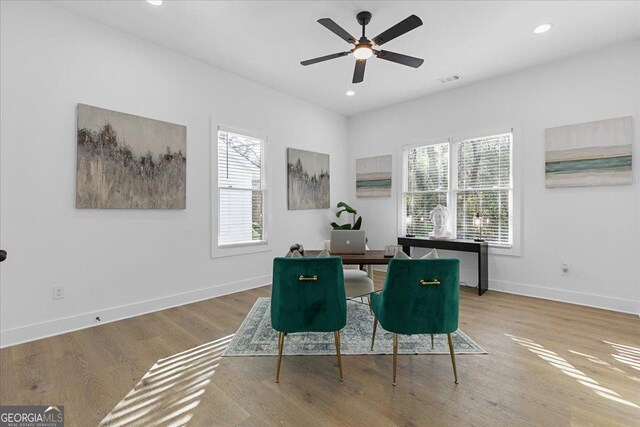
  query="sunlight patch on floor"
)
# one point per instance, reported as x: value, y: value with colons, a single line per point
x: 597, y: 361
x: 626, y: 354
x: 169, y: 392
x: 568, y: 369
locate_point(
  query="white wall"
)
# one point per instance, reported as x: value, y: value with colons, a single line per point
x: 118, y: 263
x: 593, y: 229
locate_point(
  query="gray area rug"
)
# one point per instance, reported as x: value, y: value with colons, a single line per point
x: 256, y: 337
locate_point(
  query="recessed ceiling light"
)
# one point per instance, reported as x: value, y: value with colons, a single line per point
x: 155, y: 2
x: 542, y: 28
x: 350, y: 93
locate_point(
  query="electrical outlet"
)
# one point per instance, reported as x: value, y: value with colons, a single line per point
x: 565, y: 269
x: 58, y: 292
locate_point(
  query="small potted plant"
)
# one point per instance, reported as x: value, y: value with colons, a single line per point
x: 355, y: 224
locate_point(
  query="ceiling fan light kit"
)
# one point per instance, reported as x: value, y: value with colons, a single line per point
x: 364, y: 48
x: 363, y: 52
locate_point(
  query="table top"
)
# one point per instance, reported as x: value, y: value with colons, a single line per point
x: 369, y: 257
x: 415, y: 238
x: 452, y: 244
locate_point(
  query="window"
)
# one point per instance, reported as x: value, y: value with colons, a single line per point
x: 427, y: 185
x: 241, y: 189
x: 484, y: 191
x: 477, y: 188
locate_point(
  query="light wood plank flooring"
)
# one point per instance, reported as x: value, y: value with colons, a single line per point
x: 549, y: 364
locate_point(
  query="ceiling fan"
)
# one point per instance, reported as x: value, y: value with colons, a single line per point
x: 363, y: 48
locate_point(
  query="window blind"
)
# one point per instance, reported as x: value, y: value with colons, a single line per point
x: 484, y: 190
x: 241, y: 189
x: 426, y: 185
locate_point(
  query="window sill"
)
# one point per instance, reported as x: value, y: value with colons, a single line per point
x: 236, y: 249
x: 243, y: 244
x: 504, y: 250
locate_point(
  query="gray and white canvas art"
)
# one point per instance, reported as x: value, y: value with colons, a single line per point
x: 373, y: 177
x: 129, y: 162
x: 589, y: 154
x: 308, y: 179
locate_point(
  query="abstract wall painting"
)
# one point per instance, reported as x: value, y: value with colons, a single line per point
x: 373, y: 177
x: 308, y: 179
x: 129, y: 162
x: 589, y: 154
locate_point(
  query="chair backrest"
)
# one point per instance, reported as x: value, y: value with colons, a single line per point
x: 299, y: 304
x: 412, y: 303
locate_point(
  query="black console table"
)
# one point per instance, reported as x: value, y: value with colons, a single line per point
x: 481, y: 248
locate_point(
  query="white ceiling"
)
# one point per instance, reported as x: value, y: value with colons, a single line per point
x: 265, y: 41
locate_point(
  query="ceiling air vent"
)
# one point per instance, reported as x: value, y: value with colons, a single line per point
x: 449, y: 79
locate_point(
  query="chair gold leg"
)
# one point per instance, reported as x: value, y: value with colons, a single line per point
x: 336, y: 336
x: 453, y: 358
x: 432, y: 341
x: 375, y: 327
x: 395, y: 356
x: 280, y: 347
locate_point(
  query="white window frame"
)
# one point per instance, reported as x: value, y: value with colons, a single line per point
x: 516, y: 192
x: 456, y: 189
x: 404, y: 183
x: 219, y: 250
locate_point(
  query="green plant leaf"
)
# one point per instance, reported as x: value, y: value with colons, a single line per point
x: 358, y: 224
x: 346, y: 207
x: 337, y: 226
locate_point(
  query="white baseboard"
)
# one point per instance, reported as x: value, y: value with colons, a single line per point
x: 10, y: 337
x: 571, y: 297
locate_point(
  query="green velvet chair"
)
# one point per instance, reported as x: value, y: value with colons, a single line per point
x: 308, y: 295
x: 420, y: 296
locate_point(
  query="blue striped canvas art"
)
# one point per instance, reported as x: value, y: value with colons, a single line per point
x: 373, y: 177
x: 589, y: 154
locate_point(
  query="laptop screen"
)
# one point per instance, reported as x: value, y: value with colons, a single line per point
x: 348, y: 242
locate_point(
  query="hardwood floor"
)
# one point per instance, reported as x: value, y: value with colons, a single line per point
x: 549, y: 364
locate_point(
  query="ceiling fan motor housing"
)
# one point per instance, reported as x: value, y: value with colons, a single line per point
x: 364, y: 42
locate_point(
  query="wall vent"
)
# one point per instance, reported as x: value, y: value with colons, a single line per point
x: 449, y: 79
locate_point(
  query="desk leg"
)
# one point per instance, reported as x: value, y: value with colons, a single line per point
x: 369, y: 268
x: 407, y: 250
x: 483, y: 269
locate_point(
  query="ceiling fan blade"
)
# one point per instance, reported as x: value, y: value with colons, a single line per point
x: 324, y: 58
x: 336, y: 29
x: 358, y: 72
x: 399, y: 58
x: 397, y: 30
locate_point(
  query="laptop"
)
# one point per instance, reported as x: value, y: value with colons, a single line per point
x: 344, y: 242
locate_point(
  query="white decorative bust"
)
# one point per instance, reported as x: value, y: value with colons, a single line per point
x: 440, y: 219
